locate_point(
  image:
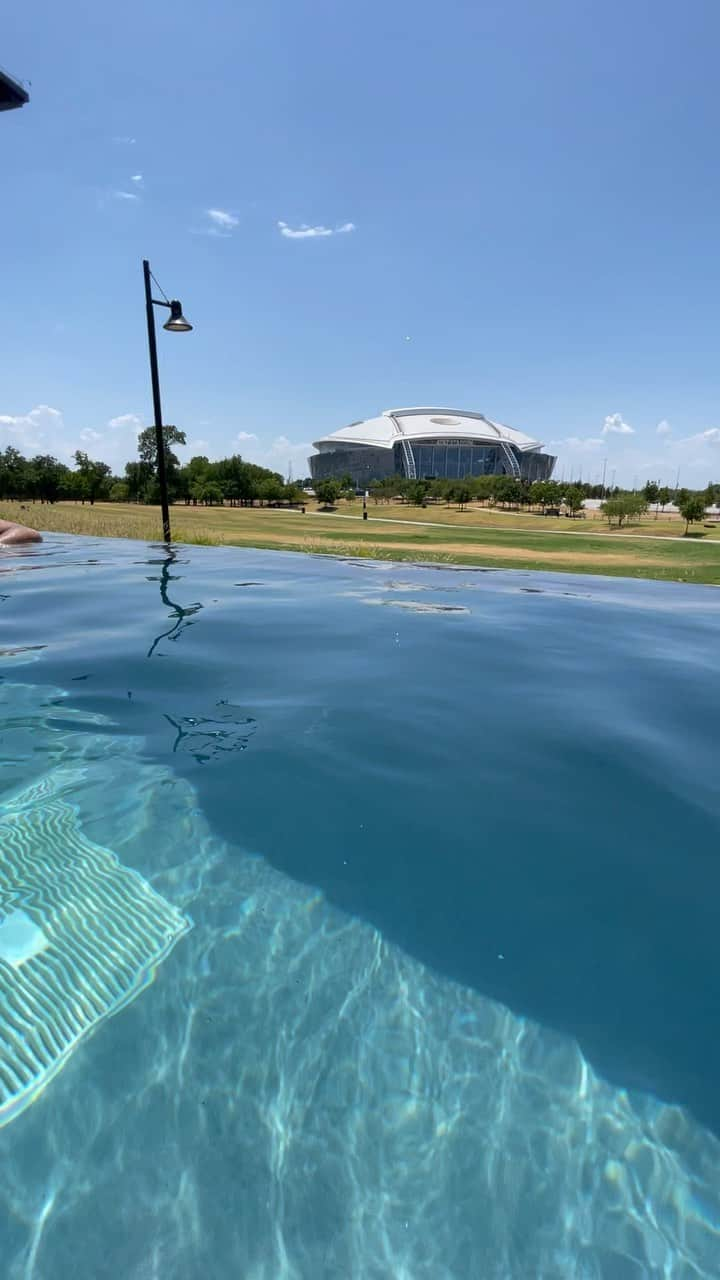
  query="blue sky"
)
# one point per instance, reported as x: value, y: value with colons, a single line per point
x: 523, y: 199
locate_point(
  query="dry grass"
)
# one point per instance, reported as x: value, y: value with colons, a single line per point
x: 432, y: 534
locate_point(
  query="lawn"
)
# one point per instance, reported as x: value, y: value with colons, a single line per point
x: 396, y: 532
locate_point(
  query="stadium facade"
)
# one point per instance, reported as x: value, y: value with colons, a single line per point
x: 428, y: 444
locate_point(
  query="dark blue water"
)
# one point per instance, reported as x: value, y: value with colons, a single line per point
x: 489, y: 796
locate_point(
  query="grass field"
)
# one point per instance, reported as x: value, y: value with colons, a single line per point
x: 652, y: 549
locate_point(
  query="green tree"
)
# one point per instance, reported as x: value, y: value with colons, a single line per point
x: 94, y: 477
x: 272, y: 489
x: 663, y: 497
x: 650, y: 492
x: 147, y: 453
x: 461, y: 493
x: 211, y: 493
x: 147, y: 445
x: 138, y: 475
x: 484, y: 487
x: 573, y: 498
x: 546, y: 493
x: 13, y: 474
x: 439, y: 489
x: 383, y: 490
x: 623, y: 507
x: 692, y: 509
x: 191, y: 478
x: 48, y: 477
x: 119, y: 491
x: 239, y: 479
x: 508, y: 490
x: 327, y: 492
x: 416, y: 491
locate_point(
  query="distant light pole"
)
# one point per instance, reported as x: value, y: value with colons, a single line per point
x: 176, y: 324
x: 603, y: 479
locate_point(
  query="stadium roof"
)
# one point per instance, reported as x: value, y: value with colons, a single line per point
x: 426, y: 424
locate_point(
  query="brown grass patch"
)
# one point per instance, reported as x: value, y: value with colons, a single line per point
x: 492, y: 550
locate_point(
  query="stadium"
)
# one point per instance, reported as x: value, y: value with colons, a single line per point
x: 428, y: 444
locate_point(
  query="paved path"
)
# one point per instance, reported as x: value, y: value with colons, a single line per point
x: 496, y: 528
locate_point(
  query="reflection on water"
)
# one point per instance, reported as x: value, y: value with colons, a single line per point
x: 205, y: 737
x: 296, y: 1098
x: 180, y: 613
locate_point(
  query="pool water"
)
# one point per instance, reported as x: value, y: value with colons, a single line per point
x: 448, y: 843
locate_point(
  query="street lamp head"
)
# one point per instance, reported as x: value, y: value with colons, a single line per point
x: 177, y: 322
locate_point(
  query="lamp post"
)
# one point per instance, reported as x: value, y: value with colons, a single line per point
x: 175, y: 324
x: 12, y: 93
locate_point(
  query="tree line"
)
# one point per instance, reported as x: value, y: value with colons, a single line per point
x: 618, y: 505
x: 44, y: 479
x: 237, y: 482
x: 506, y: 491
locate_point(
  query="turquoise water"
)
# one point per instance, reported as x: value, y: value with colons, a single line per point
x: 448, y: 843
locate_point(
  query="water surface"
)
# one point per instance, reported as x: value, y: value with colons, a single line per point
x: 448, y: 840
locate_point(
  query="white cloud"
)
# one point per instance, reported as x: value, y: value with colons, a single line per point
x: 130, y: 142
x: 128, y: 421
x: 125, y: 195
x: 136, y: 177
x: 663, y: 428
x: 711, y: 436
x: 222, y: 219
x: 281, y: 444
x: 578, y: 442
x: 19, y: 421
x: 305, y: 232
x: 43, y: 430
x: 31, y: 430
x: 280, y: 454
x: 614, y: 425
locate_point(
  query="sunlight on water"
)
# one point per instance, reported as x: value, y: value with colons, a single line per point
x: 294, y: 1097
x: 80, y: 937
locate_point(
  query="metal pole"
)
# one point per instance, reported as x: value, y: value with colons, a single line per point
x: 603, y: 479
x: 157, y: 409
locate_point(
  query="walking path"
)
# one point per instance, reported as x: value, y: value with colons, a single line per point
x: 478, y: 528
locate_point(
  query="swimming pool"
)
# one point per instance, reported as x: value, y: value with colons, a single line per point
x: 447, y: 841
